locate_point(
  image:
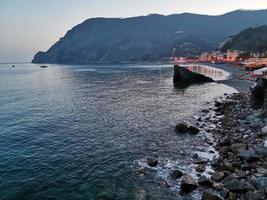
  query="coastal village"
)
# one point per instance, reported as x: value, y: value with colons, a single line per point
x: 254, y: 63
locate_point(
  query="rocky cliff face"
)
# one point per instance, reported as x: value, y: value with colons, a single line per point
x: 183, y: 76
x: 147, y: 38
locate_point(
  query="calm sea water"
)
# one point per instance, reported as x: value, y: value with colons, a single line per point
x: 83, y: 132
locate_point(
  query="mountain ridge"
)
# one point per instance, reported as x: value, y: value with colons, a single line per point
x: 146, y: 38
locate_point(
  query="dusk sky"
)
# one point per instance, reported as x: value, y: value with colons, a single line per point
x: 28, y: 26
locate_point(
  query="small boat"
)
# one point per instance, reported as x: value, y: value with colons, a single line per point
x: 44, y: 66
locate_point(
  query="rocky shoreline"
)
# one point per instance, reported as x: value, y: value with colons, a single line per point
x: 240, y: 134
x: 240, y: 138
x: 239, y: 169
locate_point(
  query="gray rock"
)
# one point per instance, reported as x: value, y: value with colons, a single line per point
x: 236, y: 186
x: 188, y: 183
x: 210, y: 196
x: 255, y: 195
x: 260, y: 183
x: 237, y: 147
x: 176, y: 174
x: 204, y: 181
x: 261, y: 151
x: 264, y: 130
x: 248, y: 155
x: 217, y: 176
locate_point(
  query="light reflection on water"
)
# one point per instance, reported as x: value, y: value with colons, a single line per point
x: 82, y: 132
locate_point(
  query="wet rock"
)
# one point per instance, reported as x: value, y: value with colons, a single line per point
x: 193, y: 130
x: 176, y: 174
x: 201, y: 161
x: 235, y: 186
x: 236, y: 148
x: 204, y: 181
x: 264, y: 130
x: 218, y: 186
x: 210, y: 196
x: 261, y: 151
x: 181, y: 128
x: 217, y: 176
x: 255, y: 195
x: 188, y: 183
x: 166, y: 184
x: 200, y: 168
x: 218, y: 104
x: 260, y: 183
x: 248, y: 155
x: 152, y: 162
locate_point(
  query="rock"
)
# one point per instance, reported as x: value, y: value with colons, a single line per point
x: 217, y: 176
x: 227, y: 165
x: 166, y: 184
x: 248, y: 155
x: 255, y: 195
x: 200, y: 168
x: 176, y: 174
x: 210, y: 196
x: 262, y: 171
x: 260, y: 183
x: 257, y: 93
x: 181, y: 128
x: 218, y: 104
x: 261, y: 151
x: 264, y: 130
x: 183, y: 76
x: 204, y: 181
x: 235, y: 186
x: 265, y: 144
x: 152, y: 162
x: 188, y: 183
x: 218, y: 186
x: 237, y: 147
x: 193, y: 130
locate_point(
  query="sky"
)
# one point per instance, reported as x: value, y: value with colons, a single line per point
x: 29, y: 26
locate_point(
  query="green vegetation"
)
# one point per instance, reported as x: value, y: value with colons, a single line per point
x: 251, y: 40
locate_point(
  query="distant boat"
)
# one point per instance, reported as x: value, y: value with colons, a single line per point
x: 44, y: 66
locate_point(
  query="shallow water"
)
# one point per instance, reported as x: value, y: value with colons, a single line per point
x: 83, y: 132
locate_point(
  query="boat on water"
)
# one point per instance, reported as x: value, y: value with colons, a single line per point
x: 44, y: 66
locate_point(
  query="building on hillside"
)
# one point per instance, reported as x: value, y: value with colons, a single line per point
x: 232, y: 55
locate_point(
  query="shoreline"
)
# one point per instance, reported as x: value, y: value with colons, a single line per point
x: 240, y: 140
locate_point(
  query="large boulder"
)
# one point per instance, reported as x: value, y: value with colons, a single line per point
x: 257, y: 93
x: 183, y: 76
x: 184, y: 128
x: 188, y: 183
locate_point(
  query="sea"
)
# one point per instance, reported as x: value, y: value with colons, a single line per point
x: 84, y: 132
